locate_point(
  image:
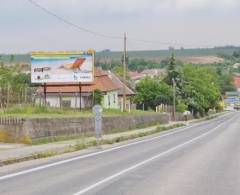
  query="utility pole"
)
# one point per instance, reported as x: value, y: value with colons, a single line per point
x: 174, y: 99
x: 124, y: 72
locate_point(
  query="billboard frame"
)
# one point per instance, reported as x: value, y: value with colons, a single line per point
x: 65, y: 64
x: 80, y: 84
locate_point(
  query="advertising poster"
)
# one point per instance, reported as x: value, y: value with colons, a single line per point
x: 65, y: 67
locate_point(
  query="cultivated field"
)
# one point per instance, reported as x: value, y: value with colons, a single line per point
x: 205, y: 55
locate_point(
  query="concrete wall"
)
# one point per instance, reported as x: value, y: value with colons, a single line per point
x: 181, y: 117
x: 44, y: 127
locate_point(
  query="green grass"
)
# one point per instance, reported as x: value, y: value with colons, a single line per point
x: 28, y: 111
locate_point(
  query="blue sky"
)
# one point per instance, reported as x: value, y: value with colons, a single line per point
x: 189, y: 23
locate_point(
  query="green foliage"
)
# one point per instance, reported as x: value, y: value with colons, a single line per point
x: 118, y: 70
x: 26, y: 139
x: 200, y: 91
x: 97, y: 97
x: 174, y: 72
x: 226, y: 83
x: 152, y: 92
x: 236, y: 54
x: 28, y: 109
x: 181, y: 107
x: 13, y: 86
x: 133, y: 65
x: 12, y: 57
x: 161, y: 54
x: 141, y: 64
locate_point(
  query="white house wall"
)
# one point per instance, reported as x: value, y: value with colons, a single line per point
x: 54, y: 101
x: 110, y: 100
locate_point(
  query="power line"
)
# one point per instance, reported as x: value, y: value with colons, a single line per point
x: 71, y: 23
x: 44, y: 9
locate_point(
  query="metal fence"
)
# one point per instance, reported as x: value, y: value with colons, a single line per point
x: 16, y: 95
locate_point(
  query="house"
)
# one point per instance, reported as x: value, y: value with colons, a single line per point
x: 121, y: 85
x: 233, y: 98
x: 236, y: 65
x: 153, y: 73
x: 136, y: 76
x: 236, y: 80
x: 73, y: 96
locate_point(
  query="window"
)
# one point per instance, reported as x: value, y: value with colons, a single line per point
x: 66, y: 103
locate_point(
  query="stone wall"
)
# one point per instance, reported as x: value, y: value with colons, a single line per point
x: 181, y: 117
x: 36, y: 128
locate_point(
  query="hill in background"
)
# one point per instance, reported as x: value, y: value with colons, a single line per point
x: 206, y: 55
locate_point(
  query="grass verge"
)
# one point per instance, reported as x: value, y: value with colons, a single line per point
x: 30, y: 111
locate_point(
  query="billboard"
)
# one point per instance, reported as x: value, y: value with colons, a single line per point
x: 62, y: 67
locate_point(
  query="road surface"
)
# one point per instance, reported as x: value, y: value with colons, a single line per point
x: 201, y: 159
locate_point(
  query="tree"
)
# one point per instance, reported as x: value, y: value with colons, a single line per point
x: 152, y: 92
x: 201, y: 90
x: 97, y: 96
x: 174, y: 72
x: 236, y: 54
x: 12, y: 57
x: 118, y: 70
x: 226, y: 83
x: 13, y: 86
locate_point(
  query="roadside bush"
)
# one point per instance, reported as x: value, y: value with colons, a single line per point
x: 181, y: 107
x: 26, y: 140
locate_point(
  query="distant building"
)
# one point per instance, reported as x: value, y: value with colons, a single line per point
x: 233, y: 98
x: 237, y: 65
x: 136, y: 76
x: 153, y: 73
x: 237, y: 82
x: 129, y: 91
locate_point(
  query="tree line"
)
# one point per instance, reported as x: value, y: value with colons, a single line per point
x: 198, y: 88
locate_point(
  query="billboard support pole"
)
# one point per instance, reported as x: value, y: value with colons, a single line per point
x: 80, y: 96
x: 45, y: 94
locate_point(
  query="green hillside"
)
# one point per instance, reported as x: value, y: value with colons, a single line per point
x: 150, y: 54
x: 155, y: 54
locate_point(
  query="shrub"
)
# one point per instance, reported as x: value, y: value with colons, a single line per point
x: 26, y: 139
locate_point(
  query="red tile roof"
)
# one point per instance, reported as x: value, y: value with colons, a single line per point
x: 117, y: 80
x: 136, y: 75
x: 237, y: 82
x: 101, y: 82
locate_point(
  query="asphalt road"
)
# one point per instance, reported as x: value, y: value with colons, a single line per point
x: 201, y: 159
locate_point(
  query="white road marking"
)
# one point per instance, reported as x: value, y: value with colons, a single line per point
x: 107, y: 179
x: 174, y: 131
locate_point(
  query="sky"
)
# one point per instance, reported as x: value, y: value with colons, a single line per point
x: 177, y: 23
